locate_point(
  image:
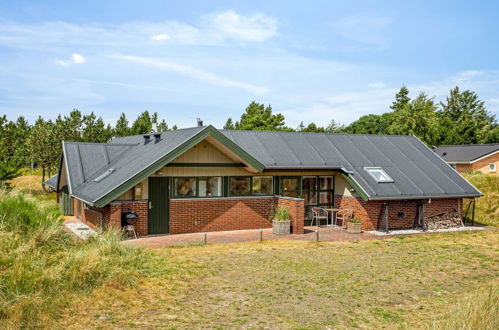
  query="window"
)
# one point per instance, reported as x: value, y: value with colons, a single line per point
x: 240, y: 185
x: 185, y: 187
x: 262, y: 185
x: 492, y: 167
x: 210, y: 186
x: 378, y: 174
x: 453, y: 166
x: 317, y: 191
x: 289, y: 186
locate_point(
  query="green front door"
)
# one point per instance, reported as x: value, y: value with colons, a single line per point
x: 159, y: 206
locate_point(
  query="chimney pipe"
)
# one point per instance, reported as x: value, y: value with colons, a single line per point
x: 157, y: 137
x: 200, y: 122
x: 147, y: 138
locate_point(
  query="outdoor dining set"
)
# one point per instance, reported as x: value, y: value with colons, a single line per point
x: 332, y: 216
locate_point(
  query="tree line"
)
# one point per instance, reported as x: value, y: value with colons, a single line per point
x: 39, y: 145
x: 462, y: 118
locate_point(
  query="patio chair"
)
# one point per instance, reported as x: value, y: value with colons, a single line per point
x: 317, y: 215
x: 344, y: 215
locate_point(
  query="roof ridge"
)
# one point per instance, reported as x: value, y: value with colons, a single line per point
x: 324, y: 133
x: 468, y: 145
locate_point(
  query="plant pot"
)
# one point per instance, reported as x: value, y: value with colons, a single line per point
x: 354, y: 227
x: 281, y: 227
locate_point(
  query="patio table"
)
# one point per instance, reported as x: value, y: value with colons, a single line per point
x: 333, y: 213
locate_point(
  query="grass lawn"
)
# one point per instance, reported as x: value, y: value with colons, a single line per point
x: 437, y: 281
x: 406, y: 282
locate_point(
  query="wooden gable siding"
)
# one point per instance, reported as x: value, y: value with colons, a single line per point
x: 204, y: 152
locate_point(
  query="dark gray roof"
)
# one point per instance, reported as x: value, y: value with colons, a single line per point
x: 416, y: 170
x: 125, y: 156
x: 465, y: 153
x: 52, y: 181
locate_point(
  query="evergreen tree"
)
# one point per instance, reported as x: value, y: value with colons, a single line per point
x: 94, y: 129
x: 417, y: 118
x: 121, y: 128
x: 229, y: 124
x: 142, y: 124
x: 464, y: 119
x: 260, y: 118
x: 401, y: 99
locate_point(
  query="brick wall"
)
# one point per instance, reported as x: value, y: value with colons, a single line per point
x: 91, y: 216
x: 218, y: 214
x: 139, y: 207
x: 481, y: 165
x: 401, y: 214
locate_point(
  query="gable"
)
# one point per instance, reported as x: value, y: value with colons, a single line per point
x: 204, y: 152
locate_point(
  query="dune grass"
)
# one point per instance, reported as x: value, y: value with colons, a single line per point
x: 43, y: 268
x: 487, y: 206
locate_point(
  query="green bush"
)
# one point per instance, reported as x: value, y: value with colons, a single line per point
x: 282, y: 213
x: 487, y: 206
x: 355, y: 220
x: 43, y: 268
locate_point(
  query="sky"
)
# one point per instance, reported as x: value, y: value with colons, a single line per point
x: 313, y: 61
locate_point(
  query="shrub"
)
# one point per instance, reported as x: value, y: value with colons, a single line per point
x: 355, y: 220
x: 487, y: 206
x: 282, y: 213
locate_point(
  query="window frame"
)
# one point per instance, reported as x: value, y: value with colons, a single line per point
x: 251, y: 177
x: 174, y: 188
x: 369, y: 170
x: 494, y: 166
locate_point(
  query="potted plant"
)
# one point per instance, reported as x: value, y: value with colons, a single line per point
x: 354, y: 226
x: 281, y: 224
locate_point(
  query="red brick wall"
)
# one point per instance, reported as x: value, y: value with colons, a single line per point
x: 139, y: 207
x: 369, y: 212
x: 90, y: 216
x: 296, y: 209
x: 203, y: 215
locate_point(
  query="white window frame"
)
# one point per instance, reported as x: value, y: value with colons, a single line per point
x: 370, y: 169
x: 492, y: 167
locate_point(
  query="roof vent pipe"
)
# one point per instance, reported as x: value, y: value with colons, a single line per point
x: 147, y: 138
x: 157, y: 137
x: 200, y: 122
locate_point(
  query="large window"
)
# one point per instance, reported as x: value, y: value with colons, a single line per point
x: 247, y: 185
x: 240, y: 185
x: 197, y: 187
x: 185, y: 187
x: 210, y: 186
x: 317, y: 191
x: 492, y: 167
x: 262, y: 185
x: 290, y: 186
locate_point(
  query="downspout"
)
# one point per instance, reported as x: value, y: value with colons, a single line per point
x: 101, y: 215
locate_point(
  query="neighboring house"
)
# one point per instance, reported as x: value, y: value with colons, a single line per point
x: 471, y: 157
x: 204, y: 179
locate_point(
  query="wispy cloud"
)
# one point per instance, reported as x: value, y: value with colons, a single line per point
x: 160, y: 37
x: 229, y: 24
x: 74, y: 59
x: 191, y: 72
x: 365, y: 30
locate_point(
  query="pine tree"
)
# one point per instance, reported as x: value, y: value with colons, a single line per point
x: 260, y: 118
x: 229, y: 124
x: 121, y: 128
x: 401, y: 99
x: 142, y: 124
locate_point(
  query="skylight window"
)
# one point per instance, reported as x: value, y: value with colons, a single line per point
x: 104, y: 175
x: 378, y: 174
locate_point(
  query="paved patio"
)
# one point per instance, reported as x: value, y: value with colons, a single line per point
x: 326, y: 234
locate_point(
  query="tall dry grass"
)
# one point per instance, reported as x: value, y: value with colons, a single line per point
x: 477, y: 311
x: 487, y: 206
x: 43, y: 269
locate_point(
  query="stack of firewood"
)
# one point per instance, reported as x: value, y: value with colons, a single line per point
x: 443, y: 220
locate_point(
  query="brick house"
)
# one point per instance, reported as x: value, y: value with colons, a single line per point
x: 204, y: 179
x: 471, y: 157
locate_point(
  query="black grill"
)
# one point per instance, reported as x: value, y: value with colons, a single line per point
x: 129, y: 218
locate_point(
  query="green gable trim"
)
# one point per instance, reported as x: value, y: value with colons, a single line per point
x: 355, y: 185
x: 187, y: 145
